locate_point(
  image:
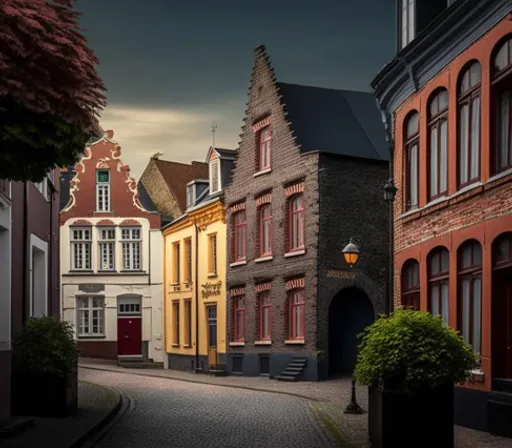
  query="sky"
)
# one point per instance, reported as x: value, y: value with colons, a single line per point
x: 173, y: 67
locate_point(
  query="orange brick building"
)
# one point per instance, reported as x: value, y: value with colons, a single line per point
x: 446, y: 100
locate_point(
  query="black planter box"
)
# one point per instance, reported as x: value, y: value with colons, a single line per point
x: 420, y: 420
x: 43, y: 395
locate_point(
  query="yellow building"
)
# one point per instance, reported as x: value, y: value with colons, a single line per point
x: 195, y: 273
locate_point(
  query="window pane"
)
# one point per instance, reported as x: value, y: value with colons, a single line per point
x: 466, y: 256
x: 434, y: 300
x: 475, y: 138
x: 476, y: 74
x: 501, y: 58
x: 103, y: 176
x: 463, y: 144
x: 413, y: 176
x: 503, y: 124
x: 477, y: 314
x: 466, y: 310
x: 445, y: 302
x: 434, y: 263
x: 443, y: 162
x: 433, y: 161
x: 445, y: 261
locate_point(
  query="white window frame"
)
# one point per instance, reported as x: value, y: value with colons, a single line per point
x: 408, y: 16
x: 191, y: 194
x: 106, y: 240
x: 86, y: 313
x: 215, y: 168
x: 43, y: 187
x: 86, y: 246
x: 103, y: 190
x: 38, y: 293
x: 130, y: 247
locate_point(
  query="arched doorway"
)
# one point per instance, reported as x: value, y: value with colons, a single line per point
x: 502, y: 310
x: 350, y: 312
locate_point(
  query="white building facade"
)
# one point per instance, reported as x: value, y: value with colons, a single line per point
x: 111, y: 256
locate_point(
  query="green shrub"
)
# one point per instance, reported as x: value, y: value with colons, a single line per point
x: 45, y: 346
x: 412, y: 350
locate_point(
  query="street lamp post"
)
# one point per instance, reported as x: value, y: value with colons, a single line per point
x: 389, y: 196
x: 351, y: 255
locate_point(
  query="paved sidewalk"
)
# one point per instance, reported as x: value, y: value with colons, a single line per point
x: 329, y: 399
x: 95, y: 404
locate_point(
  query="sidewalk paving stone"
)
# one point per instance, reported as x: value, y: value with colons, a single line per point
x: 95, y: 404
x: 329, y: 399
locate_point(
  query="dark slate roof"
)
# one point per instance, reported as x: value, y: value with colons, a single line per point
x: 335, y: 121
x: 226, y: 153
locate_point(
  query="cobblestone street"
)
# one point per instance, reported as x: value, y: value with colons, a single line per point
x: 171, y: 413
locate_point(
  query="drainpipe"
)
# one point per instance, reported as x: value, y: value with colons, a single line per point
x: 196, y: 283
x: 24, y: 293
x: 51, y: 274
x: 149, y: 256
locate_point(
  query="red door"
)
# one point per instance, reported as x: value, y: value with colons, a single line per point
x: 502, y: 319
x: 129, y: 336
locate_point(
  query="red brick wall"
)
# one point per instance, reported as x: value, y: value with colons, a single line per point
x: 482, y: 213
x: 105, y: 153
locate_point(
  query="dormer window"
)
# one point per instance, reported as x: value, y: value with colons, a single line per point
x: 214, y: 176
x: 190, y: 195
x: 407, y: 22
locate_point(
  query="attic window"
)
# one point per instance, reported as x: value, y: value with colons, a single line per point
x: 214, y: 176
x: 260, y: 89
x: 190, y: 195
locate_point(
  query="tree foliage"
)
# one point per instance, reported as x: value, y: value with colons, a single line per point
x: 412, y: 350
x: 48, y: 78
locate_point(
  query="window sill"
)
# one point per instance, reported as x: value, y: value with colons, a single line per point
x: 294, y: 342
x: 295, y: 253
x: 187, y: 346
x: 213, y: 275
x: 98, y: 212
x: 262, y: 172
x: 464, y: 193
x: 238, y: 263
x: 107, y: 271
x: 500, y: 175
x: 175, y: 345
x: 262, y: 342
x: 79, y: 272
x: 92, y: 336
x: 237, y: 344
x: 263, y: 259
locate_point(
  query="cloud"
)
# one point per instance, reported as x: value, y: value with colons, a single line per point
x: 181, y: 135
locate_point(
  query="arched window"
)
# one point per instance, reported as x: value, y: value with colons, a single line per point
x: 411, y: 155
x: 469, y: 124
x: 438, y: 143
x: 438, y: 274
x: 502, y: 95
x: 502, y: 251
x: 411, y: 285
x: 469, y: 313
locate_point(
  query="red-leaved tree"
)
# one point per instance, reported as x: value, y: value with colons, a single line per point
x: 50, y: 91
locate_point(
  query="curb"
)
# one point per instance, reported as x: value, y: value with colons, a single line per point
x: 186, y: 380
x: 80, y: 440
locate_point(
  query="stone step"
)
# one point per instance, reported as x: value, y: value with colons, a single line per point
x: 502, y: 385
x: 212, y: 372
x: 294, y: 369
x: 285, y: 378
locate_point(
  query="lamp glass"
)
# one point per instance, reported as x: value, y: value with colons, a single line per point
x: 351, y: 258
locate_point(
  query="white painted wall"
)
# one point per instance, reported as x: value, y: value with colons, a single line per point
x: 147, y: 284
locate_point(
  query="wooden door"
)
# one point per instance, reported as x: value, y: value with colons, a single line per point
x: 129, y: 336
x: 502, y: 324
x: 212, y: 334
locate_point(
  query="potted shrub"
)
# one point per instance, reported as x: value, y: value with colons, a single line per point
x: 45, y: 369
x: 411, y: 363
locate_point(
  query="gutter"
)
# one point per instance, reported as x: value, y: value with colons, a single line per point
x: 196, y: 283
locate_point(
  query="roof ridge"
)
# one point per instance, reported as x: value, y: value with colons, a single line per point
x: 323, y: 88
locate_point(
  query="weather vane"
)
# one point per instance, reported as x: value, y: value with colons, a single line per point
x: 214, y: 127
